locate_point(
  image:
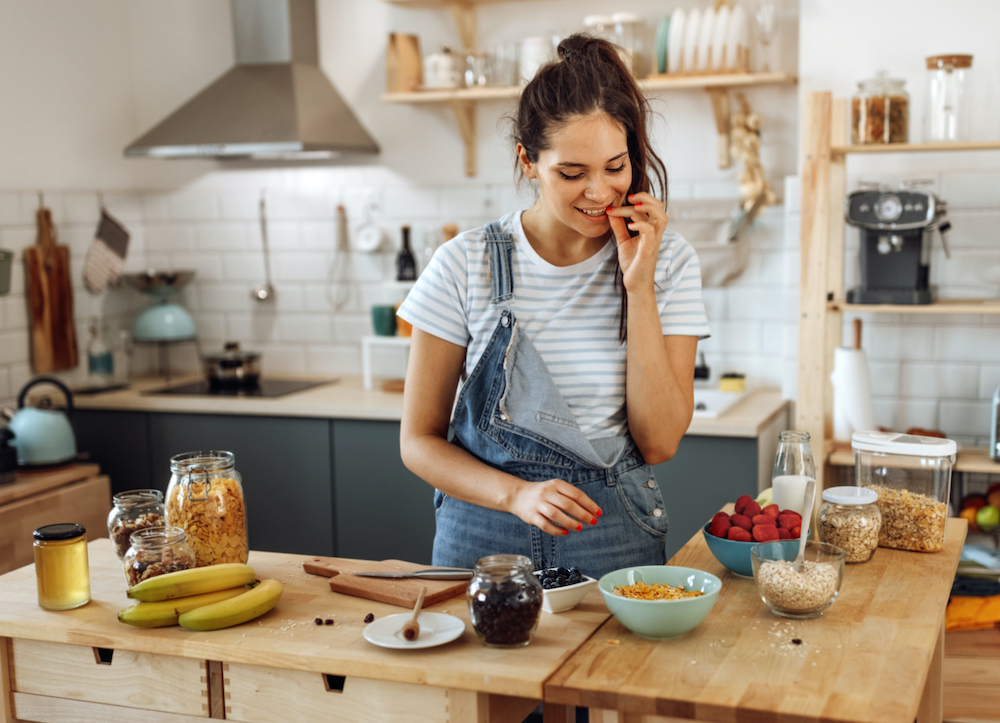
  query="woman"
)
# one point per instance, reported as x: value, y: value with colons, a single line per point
x: 574, y: 325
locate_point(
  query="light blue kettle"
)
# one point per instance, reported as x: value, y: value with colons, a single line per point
x: 42, y: 436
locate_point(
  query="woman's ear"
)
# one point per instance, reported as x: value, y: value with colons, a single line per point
x: 527, y: 167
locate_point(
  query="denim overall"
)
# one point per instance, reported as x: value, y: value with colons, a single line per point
x: 511, y: 416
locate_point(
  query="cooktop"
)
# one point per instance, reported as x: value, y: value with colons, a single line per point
x: 263, y: 388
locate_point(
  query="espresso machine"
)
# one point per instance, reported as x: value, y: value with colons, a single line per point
x: 897, y: 226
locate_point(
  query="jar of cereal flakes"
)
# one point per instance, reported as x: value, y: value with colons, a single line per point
x: 156, y: 551
x: 205, y: 499
x: 133, y: 510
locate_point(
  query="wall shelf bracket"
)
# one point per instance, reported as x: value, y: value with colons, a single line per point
x: 723, y: 122
x: 465, y: 116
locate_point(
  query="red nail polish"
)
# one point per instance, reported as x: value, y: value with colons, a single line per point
x: 593, y: 520
x: 637, y: 205
x: 631, y: 197
x: 599, y: 513
x: 565, y: 532
x: 579, y: 528
x: 610, y: 208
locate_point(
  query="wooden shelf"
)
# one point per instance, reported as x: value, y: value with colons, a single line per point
x: 970, y: 459
x: 941, y: 306
x: 841, y: 150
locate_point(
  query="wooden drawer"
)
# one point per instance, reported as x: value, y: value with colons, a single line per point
x: 116, y: 677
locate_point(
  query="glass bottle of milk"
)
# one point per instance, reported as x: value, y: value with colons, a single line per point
x: 793, y: 467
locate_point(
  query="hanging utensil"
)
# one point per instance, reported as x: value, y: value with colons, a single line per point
x: 265, y: 291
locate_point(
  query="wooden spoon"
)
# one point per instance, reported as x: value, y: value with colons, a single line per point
x: 807, y: 511
x: 411, y: 628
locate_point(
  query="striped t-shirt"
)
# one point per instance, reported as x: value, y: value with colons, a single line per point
x: 570, y: 313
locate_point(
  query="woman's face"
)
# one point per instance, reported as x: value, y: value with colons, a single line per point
x: 585, y: 170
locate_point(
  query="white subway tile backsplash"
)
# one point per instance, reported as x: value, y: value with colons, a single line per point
x: 283, y: 359
x: 306, y: 328
x: 222, y: 237
x: 989, y: 380
x: 757, y: 304
x: 13, y: 347
x: 192, y: 206
x: 225, y: 297
x: 6, y: 392
x: 971, y: 190
x: 165, y: 238
x: 243, y: 267
x: 333, y: 359
x: 319, y: 236
x: 301, y: 266
x: 886, y: 378
x: 82, y: 208
x: 967, y: 343
x: 351, y: 327
x: 414, y: 203
x: 10, y: 209
x: 968, y: 418
x: 925, y: 380
x: 155, y: 207
x: 126, y: 207
x: 207, y: 267
x: 242, y: 205
x: 257, y: 327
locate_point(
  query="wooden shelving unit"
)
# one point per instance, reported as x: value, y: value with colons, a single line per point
x: 822, y: 300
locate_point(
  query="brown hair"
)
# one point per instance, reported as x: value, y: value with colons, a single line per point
x: 590, y: 77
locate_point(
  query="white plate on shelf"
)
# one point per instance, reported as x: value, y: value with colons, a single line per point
x: 736, y: 37
x: 675, y: 46
x: 661, y: 44
x: 719, y: 30
x: 435, y: 629
x: 705, y: 30
x: 691, y: 40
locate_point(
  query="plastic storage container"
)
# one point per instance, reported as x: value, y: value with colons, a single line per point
x: 157, y: 551
x: 61, y: 566
x: 505, y: 601
x: 912, y: 476
x: 205, y: 499
x: 134, y: 510
x: 629, y: 33
x: 880, y: 111
x: 850, y: 519
x: 948, y: 98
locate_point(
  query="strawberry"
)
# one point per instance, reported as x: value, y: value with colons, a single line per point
x: 739, y: 534
x: 720, y: 515
x: 741, y: 521
x: 788, y: 520
x: 741, y: 502
x: 764, y: 520
x: 765, y: 533
x: 771, y: 510
x: 751, y: 509
x: 719, y: 528
x: 795, y: 532
x: 784, y: 534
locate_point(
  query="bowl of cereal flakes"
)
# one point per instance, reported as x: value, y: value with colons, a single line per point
x: 659, y: 601
x: 793, y: 593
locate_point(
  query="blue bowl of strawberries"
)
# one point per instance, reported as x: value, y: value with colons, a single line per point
x: 730, y: 537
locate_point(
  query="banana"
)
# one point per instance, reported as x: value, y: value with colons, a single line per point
x: 234, y: 611
x: 765, y: 497
x: 194, y: 581
x: 165, y: 612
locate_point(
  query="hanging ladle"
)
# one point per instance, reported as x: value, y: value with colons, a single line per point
x: 265, y: 291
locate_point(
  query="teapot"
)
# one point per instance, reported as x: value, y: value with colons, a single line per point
x: 42, y: 436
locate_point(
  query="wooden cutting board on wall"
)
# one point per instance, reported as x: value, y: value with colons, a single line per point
x: 50, y: 301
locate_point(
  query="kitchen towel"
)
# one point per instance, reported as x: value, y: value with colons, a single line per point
x: 852, y: 394
x: 105, y: 259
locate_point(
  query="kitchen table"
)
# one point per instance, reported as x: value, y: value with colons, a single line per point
x: 84, y: 666
x: 874, y: 656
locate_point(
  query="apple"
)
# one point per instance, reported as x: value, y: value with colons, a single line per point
x: 988, y: 518
x: 969, y: 513
x: 975, y: 500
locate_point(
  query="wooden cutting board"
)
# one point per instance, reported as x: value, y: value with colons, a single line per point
x: 50, y: 301
x: 395, y: 592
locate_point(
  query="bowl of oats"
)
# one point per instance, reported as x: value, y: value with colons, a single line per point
x: 659, y: 601
x: 793, y: 593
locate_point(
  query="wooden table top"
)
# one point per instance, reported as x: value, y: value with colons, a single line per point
x: 287, y: 637
x: 864, y: 660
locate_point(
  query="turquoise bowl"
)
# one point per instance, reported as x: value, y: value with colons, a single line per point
x: 659, y: 619
x: 733, y: 554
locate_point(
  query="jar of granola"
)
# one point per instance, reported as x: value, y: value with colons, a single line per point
x: 849, y: 518
x: 205, y: 499
x: 880, y: 111
x: 156, y: 551
x: 133, y: 510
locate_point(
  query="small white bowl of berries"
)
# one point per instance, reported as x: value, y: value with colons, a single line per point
x: 563, y: 588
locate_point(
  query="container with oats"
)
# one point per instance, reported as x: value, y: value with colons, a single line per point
x: 850, y: 519
x: 205, y: 499
x: 912, y: 477
x: 131, y: 511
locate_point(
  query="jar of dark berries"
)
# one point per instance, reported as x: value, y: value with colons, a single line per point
x: 157, y: 551
x: 132, y: 511
x: 505, y: 601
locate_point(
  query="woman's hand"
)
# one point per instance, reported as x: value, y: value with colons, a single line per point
x: 637, y: 254
x: 554, y: 506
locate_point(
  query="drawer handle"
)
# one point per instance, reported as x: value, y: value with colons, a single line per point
x: 334, y: 683
x: 102, y: 656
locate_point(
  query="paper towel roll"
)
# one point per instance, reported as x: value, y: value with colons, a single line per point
x: 852, y: 394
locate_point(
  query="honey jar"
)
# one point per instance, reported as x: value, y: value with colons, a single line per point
x: 61, y: 566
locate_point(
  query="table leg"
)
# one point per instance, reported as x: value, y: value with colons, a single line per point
x: 932, y: 702
x: 558, y: 713
x: 7, y: 707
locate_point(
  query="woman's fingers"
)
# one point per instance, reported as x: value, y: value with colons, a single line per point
x: 558, y: 508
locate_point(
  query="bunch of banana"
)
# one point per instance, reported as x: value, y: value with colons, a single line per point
x: 202, y: 598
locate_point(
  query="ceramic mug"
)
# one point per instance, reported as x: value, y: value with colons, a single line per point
x: 384, y: 319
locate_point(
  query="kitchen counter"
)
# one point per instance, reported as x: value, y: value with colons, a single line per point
x: 346, y: 398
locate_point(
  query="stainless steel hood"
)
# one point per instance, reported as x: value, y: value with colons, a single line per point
x: 275, y: 103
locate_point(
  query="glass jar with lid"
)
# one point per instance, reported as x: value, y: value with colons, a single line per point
x: 205, y: 499
x: 131, y: 511
x: 880, y: 111
x: 912, y: 476
x: 850, y: 519
x: 505, y: 601
x: 62, y: 567
x: 157, y: 551
x: 948, y: 100
x: 629, y: 31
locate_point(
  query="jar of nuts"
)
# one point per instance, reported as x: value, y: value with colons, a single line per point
x: 205, y: 499
x: 133, y: 510
x: 849, y: 518
x: 156, y: 551
x: 880, y: 111
x: 505, y: 601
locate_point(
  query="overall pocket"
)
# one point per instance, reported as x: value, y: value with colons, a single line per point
x: 640, y: 496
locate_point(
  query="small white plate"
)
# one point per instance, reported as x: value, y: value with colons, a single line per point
x: 736, y: 37
x: 705, y: 31
x: 435, y: 629
x: 675, y: 46
x: 691, y: 40
x: 719, y: 37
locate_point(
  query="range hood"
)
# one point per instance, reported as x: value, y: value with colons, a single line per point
x: 274, y: 104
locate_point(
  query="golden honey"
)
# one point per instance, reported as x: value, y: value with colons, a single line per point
x: 61, y: 566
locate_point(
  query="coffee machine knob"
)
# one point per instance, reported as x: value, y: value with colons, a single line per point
x: 884, y: 247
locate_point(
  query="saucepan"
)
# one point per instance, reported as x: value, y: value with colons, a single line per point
x: 232, y: 366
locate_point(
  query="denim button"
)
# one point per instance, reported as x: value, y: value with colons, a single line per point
x: 651, y: 484
x: 657, y: 512
x: 504, y: 320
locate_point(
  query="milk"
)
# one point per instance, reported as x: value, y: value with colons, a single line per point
x: 788, y: 491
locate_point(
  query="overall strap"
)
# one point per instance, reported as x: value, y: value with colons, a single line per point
x: 501, y: 251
